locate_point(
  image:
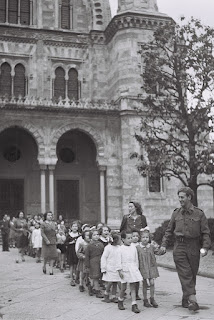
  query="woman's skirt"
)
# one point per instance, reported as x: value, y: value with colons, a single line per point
x: 49, y: 252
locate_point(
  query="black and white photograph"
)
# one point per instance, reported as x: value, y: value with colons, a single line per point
x: 106, y: 159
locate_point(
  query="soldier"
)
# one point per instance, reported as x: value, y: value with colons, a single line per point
x: 191, y: 231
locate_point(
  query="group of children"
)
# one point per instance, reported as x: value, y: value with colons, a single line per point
x: 99, y: 259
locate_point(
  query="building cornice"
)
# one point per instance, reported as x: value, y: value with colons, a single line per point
x: 135, y: 20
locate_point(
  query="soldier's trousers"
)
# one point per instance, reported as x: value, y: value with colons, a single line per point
x: 186, y: 256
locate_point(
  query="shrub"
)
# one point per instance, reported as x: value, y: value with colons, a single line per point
x: 160, y: 231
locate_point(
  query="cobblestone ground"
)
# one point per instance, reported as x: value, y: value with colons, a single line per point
x: 27, y: 294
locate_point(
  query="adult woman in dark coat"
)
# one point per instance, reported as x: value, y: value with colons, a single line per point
x: 21, y: 235
x: 135, y: 220
x: 48, y: 232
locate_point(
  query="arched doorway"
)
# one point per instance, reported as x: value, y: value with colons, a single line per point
x: 77, y: 178
x: 19, y: 173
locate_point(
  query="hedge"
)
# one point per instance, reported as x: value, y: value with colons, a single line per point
x: 160, y: 231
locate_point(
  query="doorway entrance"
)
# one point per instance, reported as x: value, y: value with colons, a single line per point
x: 68, y: 199
x: 11, y: 196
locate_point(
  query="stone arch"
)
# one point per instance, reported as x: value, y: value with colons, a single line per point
x: 91, y: 132
x: 33, y: 131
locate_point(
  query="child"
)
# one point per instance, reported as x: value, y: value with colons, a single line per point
x: 104, y: 233
x: 36, y: 239
x: 93, y: 255
x: 148, y: 266
x: 72, y: 259
x: 110, y: 264
x: 61, y: 247
x: 129, y: 272
x: 135, y: 242
x: 81, y: 256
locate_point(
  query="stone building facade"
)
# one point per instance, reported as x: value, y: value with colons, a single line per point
x: 70, y: 79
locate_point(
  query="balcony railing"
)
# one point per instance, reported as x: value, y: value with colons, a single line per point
x: 33, y: 102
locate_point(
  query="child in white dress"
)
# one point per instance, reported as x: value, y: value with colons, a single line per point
x: 36, y: 239
x: 110, y: 264
x: 135, y: 242
x: 129, y: 272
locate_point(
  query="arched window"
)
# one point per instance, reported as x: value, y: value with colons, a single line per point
x: 25, y: 12
x: 73, y: 84
x: 13, y: 11
x: 3, y: 11
x: 59, y: 83
x: 19, y: 80
x: 5, y: 80
x: 65, y: 15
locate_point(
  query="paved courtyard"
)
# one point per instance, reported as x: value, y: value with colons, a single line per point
x: 27, y: 294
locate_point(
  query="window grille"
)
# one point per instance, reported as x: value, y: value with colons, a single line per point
x: 59, y: 83
x: 19, y: 80
x: 25, y: 12
x: 13, y: 11
x: 5, y: 80
x: 73, y: 84
x: 3, y: 11
x: 65, y: 15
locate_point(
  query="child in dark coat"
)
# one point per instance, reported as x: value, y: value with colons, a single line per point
x: 93, y: 255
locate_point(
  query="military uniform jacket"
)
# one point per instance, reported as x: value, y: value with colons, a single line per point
x: 190, y: 224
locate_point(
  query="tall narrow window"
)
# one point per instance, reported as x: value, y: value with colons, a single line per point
x: 65, y: 15
x: 13, y: 11
x: 19, y: 80
x: 154, y: 179
x: 5, y: 80
x: 73, y: 84
x: 59, y: 83
x: 25, y: 12
x: 3, y: 11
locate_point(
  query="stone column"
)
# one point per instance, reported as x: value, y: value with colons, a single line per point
x: 43, y: 188
x: 51, y: 187
x: 102, y: 170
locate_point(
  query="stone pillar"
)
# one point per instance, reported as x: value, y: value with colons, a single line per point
x: 102, y: 170
x: 51, y: 187
x: 43, y: 188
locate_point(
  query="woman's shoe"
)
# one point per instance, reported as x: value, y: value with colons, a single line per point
x: 44, y: 270
x: 137, y: 297
x: 51, y: 273
x: 23, y: 259
x: 17, y: 260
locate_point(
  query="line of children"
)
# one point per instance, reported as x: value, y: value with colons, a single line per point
x: 131, y: 263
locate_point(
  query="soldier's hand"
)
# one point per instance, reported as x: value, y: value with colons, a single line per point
x: 162, y: 250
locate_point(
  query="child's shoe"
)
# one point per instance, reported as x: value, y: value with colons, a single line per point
x: 72, y: 283
x: 146, y: 303
x: 106, y: 298
x: 120, y: 305
x: 99, y: 294
x: 90, y: 290
x: 153, y: 303
x: 81, y: 288
x: 135, y: 308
